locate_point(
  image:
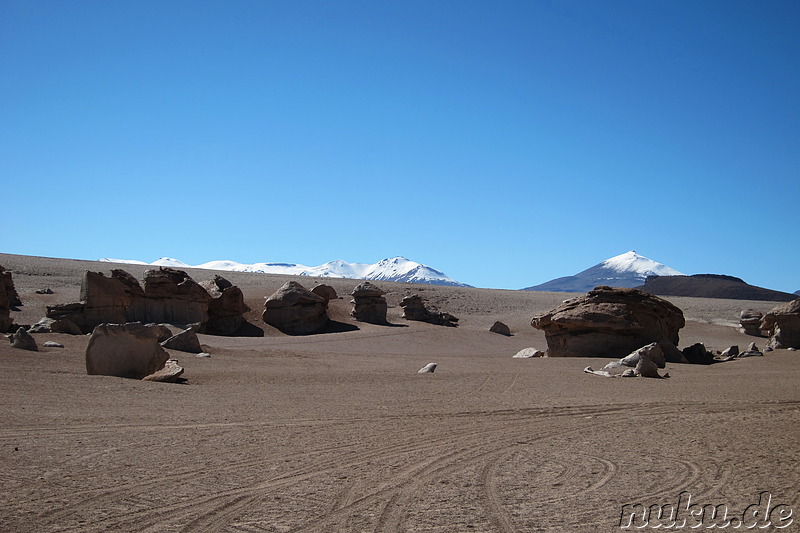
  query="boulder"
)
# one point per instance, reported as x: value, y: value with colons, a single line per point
x: 9, y: 299
x: 185, y: 341
x: 23, y: 340
x: 125, y: 350
x: 226, y: 308
x: 169, y: 374
x: 610, y: 322
x: 369, y: 305
x: 51, y: 325
x: 646, y: 368
x: 414, y: 309
x: 295, y: 310
x: 698, y: 355
x: 326, y: 291
x: 527, y: 353
x: 782, y: 325
x: 652, y: 351
x: 500, y: 328
x: 750, y: 322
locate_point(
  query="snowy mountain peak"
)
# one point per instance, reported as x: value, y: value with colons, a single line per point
x: 638, y: 264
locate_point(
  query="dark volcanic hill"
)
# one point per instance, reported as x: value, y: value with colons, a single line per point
x: 712, y: 286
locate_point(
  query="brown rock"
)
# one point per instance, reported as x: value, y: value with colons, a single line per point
x: 500, y: 328
x: 226, y: 308
x: 646, y: 368
x: 369, y: 305
x: 414, y: 309
x: 698, y: 355
x: 173, y: 297
x: 609, y: 322
x: 326, y: 291
x: 51, y: 325
x: 169, y: 374
x: 23, y: 340
x: 185, y: 341
x: 295, y: 310
x: 750, y: 322
x: 125, y: 350
x: 782, y: 324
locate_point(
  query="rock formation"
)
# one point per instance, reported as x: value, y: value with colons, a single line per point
x: 185, y: 341
x: 295, y: 310
x: 326, y: 291
x: 500, y: 328
x: 750, y: 322
x: 610, y: 322
x: 226, y: 307
x: 369, y: 305
x: 9, y: 299
x: 23, y: 340
x: 50, y: 325
x: 125, y: 350
x: 414, y: 309
x: 782, y: 324
x: 173, y: 297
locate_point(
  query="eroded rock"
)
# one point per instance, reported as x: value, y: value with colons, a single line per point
x: 295, y: 310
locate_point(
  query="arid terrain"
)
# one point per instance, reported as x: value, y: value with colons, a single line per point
x: 338, y: 432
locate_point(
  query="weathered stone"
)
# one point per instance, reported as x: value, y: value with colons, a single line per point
x: 23, y: 340
x: 646, y: 368
x: 369, y: 305
x: 226, y: 307
x: 326, y: 291
x: 51, y: 325
x: 169, y: 374
x: 698, y: 355
x: 185, y: 341
x: 782, y: 324
x: 500, y: 328
x: 750, y: 322
x: 527, y: 353
x: 414, y: 309
x: 53, y: 344
x: 731, y: 351
x: 125, y: 350
x: 173, y: 297
x: 430, y: 368
x: 609, y: 322
x: 295, y: 310
x: 652, y: 351
x: 44, y: 291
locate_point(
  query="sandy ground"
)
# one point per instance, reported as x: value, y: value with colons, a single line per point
x: 338, y: 432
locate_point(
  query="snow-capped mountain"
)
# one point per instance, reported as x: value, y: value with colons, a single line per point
x: 626, y: 270
x: 392, y: 269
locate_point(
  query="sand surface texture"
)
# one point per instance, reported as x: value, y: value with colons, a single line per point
x: 338, y: 432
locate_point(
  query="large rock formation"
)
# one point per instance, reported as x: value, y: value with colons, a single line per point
x: 226, y: 307
x: 750, y: 322
x: 369, y: 305
x: 295, y: 310
x: 125, y: 350
x: 610, y: 322
x: 414, y: 309
x: 8, y: 300
x: 169, y: 296
x: 782, y: 324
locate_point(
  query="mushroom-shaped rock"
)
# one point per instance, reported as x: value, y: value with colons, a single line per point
x: 226, y: 307
x: 295, y: 310
x: 125, y: 350
x: 414, y: 309
x: 782, y: 324
x: 24, y: 341
x: 326, y: 291
x: 500, y: 328
x: 369, y: 305
x: 609, y: 322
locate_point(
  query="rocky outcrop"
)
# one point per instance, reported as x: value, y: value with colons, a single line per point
x: 414, y: 309
x: 369, y: 305
x: 125, y: 350
x: 500, y: 328
x: 782, y: 324
x: 295, y: 310
x: 23, y: 340
x: 610, y: 322
x: 226, y: 307
x: 750, y: 322
x: 9, y: 299
x: 326, y: 291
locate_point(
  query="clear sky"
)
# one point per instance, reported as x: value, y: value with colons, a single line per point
x: 503, y: 142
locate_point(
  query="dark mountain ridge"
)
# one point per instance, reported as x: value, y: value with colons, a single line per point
x: 712, y: 286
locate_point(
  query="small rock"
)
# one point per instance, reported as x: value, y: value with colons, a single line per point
x: 204, y: 354
x: 629, y: 373
x: 53, y: 344
x: 23, y: 340
x: 185, y: 341
x: 527, y: 353
x: 767, y: 349
x: 791, y: 348
x: 169, y: 374
x: 731, y: 351
x: 430, y: 368
x: 500, y: 328
x: 44, y: 291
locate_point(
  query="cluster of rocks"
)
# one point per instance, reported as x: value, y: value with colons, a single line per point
x: 9, y: 300
x: 781, y: 324
x: 168, y: 296
x: 414, y: 309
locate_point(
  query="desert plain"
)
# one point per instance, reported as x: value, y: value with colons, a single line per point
x: 337, y: 431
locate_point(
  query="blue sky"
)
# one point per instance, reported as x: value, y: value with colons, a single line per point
x: 505, y: 143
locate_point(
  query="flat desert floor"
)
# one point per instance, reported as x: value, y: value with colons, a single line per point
x: 338, y: 432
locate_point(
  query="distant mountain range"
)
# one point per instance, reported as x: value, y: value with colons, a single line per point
x: 391, y: 269
x: 712, y: 286
x: 626, y: 270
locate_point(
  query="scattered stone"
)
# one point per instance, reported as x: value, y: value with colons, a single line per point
x: 23, y: 340
x: 610, y: 322
x: 430, y: 368
x: 369, y: 305
x: 44, y: 291
x: 629, y: 373
x: 204, y: 354
x: 603, y: 373
x: 752, y: 347
x: 169, y: 374
x: 782, y: 325
x: 500, y: 328
x: 527, y: 353
x: 185, y: 341
x: 53, y: 344
x: 767, y: 349
x: 652, y: 351
x: 750, y: 322
x: 295, y: 310
x: 752, y: 351
x: 791, y: 348
x: 326, y: 291
x: 226, y: 308
x: 646, y: 368
x: 414, y: 309
x: 51, y: 325
x: 732, y: 351
x: 125, y: 350
x: 698, y: 355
